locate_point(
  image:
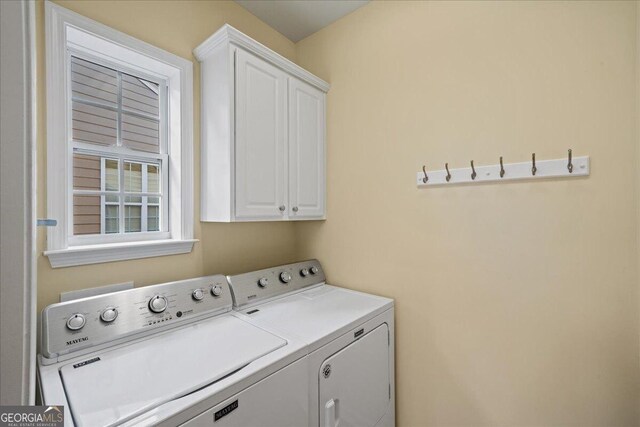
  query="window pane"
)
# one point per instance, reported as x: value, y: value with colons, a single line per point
x: 94, y: 83
x: 111, y: 219
x: 153, y: 218
x: 154, y: 200
x: 86, y: 215
x: 133, y: 200
x: 132, y: 218
x: 87, y: 173
x: 111, y: 175
x: 153, y: 179
x: 132, y: 177
x: 94, y: 125
x: 140, y: 96
x: 140, y: 133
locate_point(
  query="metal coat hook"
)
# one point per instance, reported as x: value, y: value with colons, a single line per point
x: 570, y: 164
x: 473, y: 173
x: 426, y: 178
x: 501, y: 168
x: 448, y: 177
x: 534, y: 169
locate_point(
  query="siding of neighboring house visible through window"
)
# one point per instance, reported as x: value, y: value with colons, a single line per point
x: 86, y: 212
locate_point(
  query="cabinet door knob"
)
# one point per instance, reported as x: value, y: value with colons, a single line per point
x: 295, y: 209
x: 282, y: 208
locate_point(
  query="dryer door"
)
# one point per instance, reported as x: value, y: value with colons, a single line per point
x: 354, y: 387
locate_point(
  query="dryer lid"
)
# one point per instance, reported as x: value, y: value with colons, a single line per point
x: 112, y: 387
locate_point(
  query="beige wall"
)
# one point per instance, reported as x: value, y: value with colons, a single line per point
x: 177, y: 27
x: 517, y: 304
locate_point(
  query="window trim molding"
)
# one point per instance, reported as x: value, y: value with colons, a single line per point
x: 179, y: 72
x: 95, y: 254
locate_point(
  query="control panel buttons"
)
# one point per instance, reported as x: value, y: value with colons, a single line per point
x: 76, y: 322
x: 197, y: 294
x: 158, y: 304
x: 304, y: 272
x: 313, y: 270
x: 285, y: 277
x: 109, y: 314
x: 263, y: 282
x: 216, y: 290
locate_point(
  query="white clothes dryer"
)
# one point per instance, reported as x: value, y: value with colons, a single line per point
x: 349, y: 337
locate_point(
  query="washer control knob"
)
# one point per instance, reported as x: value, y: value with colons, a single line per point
x: 158, y: 304
x: 216, y: 290
x: 197, y: 294
x: 109, y: 314
x: 313, y: 270
x: 263, y: 282
x: 304, y: 272
x: 76, y: 321
x: 285, y: 277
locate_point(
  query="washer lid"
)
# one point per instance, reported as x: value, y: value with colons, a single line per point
x: 112, y: 387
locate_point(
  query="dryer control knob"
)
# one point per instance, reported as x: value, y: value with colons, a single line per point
x: 313, y: 270
x: 108, y: 315
x: 285, y: 277
x: 76, y: 321
x: 263, y: 282
x: 197, y: 294
x: 158, y: 304
x: 216, y: 290
x: 304, y: 272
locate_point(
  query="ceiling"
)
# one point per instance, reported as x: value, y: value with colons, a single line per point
x: 297, y: 19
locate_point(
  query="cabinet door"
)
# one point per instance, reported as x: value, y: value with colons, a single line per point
x: 354, y: 385
x: 306, y: 151
x: 261, y: 137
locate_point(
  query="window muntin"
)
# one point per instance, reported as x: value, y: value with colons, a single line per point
x: 118, y: 149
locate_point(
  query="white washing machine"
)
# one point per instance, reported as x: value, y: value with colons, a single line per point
x: 169, y: 354
x: 349, y: 337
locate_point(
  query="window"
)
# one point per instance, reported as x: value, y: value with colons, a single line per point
x: 119, y: 151
x: 119, y: 145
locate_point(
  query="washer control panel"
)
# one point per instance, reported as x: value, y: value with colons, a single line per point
x: 249, y: 288
x: 78, y: 324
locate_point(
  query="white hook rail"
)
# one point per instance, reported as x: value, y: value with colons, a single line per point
x: 544, y: 169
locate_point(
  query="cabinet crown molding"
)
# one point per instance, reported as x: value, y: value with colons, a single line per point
x: 228, y: 34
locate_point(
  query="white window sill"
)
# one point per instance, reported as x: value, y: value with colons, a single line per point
x: 94, y: 254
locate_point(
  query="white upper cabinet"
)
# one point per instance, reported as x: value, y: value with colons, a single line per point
x: 263, y: 133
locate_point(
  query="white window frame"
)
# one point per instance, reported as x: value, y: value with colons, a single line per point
x: 66, y: 32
